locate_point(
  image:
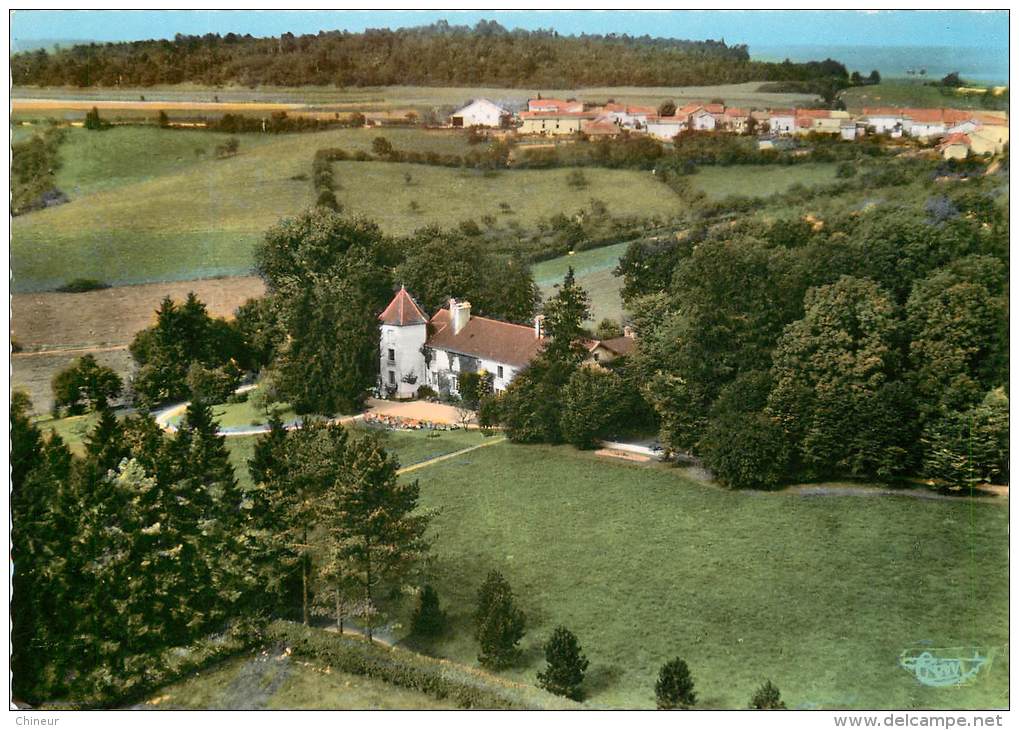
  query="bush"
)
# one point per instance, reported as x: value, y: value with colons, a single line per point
x: 565, y: 665
x: 499, y: 623
x: 767, y: 697
x: 211, y: 385
x: 85, y: 384
x: 428, y: 619
x: 489, y: 411
x: 427, y: 392
x: 845, y: 170
x: 434, y: 677
x: 81, y: 285
x: 577, y: 180
x: 674, y: 688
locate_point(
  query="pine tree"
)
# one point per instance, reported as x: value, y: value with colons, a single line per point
x: 370, y: 522
x: 499, y: 624
x: 40, y: 545
x: 429, y: 619
x: 674, y: 688
x: 565, y: 314
x: 565, y: 665
x: 767, y: 697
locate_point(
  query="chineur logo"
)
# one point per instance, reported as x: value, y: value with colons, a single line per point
x: 954, y: 667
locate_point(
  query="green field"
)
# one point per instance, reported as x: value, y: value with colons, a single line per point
x: 820, y: 594
x: 759, y: 181
x: 410, y: 447
x: 175, y: 218
x: 274, y: 681
x: 447, y: 196
x: 904, y: 93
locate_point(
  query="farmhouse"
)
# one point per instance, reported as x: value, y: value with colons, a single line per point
x: 554, y: 105
x: 553, y: 123
x: 480, y: 113
x: 666, y: 128
x: 416, y: 350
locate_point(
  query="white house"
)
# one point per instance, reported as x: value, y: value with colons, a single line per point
x: 782, y: 121
x: 665, y: 128
x: 480, y: 113
x: 416, y: 351
x: 884, y: 120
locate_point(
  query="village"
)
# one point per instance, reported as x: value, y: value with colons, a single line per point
x: 956, y: 133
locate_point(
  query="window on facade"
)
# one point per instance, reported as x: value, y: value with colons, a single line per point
x: 500, y: 371
x: 392, y: 356
x: 392, y: 378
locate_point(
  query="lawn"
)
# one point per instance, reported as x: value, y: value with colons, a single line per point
x: 446, y: 196
x: 242, y: 415
x: 759, y: 180
x: 820, y: 594
x: 270, y: 680
x: 593, y: 269
x: 410, y: 447
x: 145, y: 216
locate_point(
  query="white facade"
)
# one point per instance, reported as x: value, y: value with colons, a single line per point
x: 665, y: 129
x: 926, y: 130
x: 782, y: 123
x: 401, y: 361
x: 444, y: 370
x: 480, y: 113
x: 885, y: 123
x: 703, y: 121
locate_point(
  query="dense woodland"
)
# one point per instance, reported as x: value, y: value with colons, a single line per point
x: 435, y: 55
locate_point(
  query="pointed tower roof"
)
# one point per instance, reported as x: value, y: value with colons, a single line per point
x: 402, y: 311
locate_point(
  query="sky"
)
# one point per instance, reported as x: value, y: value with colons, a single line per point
x: 755, y: 28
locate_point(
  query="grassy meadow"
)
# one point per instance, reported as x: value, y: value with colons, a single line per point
x: 446, y: 196
x: 180, y: 215
x: 905, y: 93
x: 759, y: 181
x: 820, y: 594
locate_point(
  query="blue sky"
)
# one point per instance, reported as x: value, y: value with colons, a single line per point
x: 755, y: 28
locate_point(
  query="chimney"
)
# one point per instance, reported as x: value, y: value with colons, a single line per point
x: 539, y: 324
x: 628, y: 332
x: 460, y: 314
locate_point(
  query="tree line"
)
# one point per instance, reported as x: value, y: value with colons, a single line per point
x: 436, y: 55
x: 873, y: 346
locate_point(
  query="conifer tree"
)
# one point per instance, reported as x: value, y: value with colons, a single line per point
x: 565, y: 665
x: 674, y: 688
x: 372, y: 531
x: 499, y: 624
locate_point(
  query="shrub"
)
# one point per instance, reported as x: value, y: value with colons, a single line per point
x: 576, y: 179
x: 845, y: 170
x: 767, y: 697
x: 427, y: 392
x: 674, y: 688
x: 428, y: 619
x: 565, y: 665
x: 434, y: 677
x: 85, y: 383
x: 327, y: 199
x: 499, y: 623
x: 489, y: 411
x: 80, y: 285
x: 382, y: 147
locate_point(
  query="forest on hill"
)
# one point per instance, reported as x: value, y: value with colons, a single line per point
x: 435, y: 55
